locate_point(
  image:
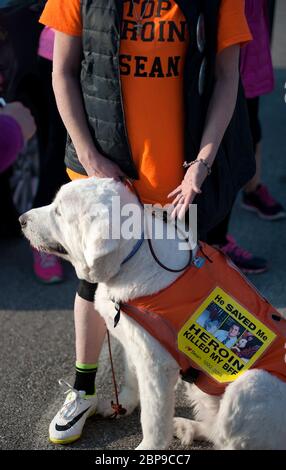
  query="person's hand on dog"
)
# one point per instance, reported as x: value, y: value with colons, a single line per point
x: 101, y: 167
x: 189, y: 188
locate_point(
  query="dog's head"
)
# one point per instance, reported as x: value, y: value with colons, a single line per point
x: 77, y: 227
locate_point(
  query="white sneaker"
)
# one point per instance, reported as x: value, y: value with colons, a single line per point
x: 68, y: 423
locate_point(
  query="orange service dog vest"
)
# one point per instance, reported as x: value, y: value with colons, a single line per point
x: 214, y: 320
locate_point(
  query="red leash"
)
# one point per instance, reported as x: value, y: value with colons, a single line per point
x: 118, y: 409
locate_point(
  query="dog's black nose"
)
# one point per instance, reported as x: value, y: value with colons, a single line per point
x: 23, y: 220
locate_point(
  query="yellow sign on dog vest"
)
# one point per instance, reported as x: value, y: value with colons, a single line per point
x: 223, y: 338
x: 213, y: 320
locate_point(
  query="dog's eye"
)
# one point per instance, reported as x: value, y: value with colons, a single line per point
x: 57, y: 211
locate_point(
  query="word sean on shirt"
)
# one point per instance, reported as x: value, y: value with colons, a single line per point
x: 153, y: 30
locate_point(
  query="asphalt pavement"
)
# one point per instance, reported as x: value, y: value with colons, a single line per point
x: 37, y: 336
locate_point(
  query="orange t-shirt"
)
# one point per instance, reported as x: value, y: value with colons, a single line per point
x: 151, y: 65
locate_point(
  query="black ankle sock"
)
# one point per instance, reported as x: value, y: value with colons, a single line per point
x: 85, y: 378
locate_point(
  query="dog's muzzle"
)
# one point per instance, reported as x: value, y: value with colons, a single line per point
x: 24, y: 220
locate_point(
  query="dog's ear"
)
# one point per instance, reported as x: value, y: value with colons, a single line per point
x: 100, y: 251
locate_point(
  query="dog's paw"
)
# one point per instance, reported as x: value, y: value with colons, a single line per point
x: 184, y: 430
x: 141, y: 447
x: 144, y: 446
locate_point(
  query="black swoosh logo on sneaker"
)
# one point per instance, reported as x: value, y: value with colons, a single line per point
x: 72, y: 422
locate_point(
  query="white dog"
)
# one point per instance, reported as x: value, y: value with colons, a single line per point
x: 252, y: 412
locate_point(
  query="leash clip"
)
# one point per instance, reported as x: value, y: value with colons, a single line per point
x: 118, y: 410
x: 117, y: 306
x: 198, y: 262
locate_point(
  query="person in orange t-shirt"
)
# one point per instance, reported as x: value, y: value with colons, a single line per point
x: 154, y: 39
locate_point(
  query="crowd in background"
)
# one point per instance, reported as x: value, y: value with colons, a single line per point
x: 33, y: 138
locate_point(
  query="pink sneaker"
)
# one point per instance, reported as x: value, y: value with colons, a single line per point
x: 244, y: 260
x: 47, y: 268
x: 261, y: 202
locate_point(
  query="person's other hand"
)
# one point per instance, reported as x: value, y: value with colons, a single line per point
x: 101, y: 167
x: 23, y: 116
x: 187, y: 191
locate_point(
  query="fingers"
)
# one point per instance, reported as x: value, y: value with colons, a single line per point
x: 177, y: 203
x: 111, y: 170
x: 119, y: 175
x: 175, y: 192
x: 117, y: 178
x: 178, y: 193
x: 120, y: 172
x: 116, y: 173
x: 177, y: 199
x: 182, y: 211
x: 176, y: 211
x: 182, y: 203
x: 111, y: 174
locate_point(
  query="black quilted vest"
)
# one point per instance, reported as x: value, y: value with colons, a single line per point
x: 101, y: 88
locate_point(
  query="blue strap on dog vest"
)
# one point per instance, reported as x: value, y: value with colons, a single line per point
x: 136, y: 248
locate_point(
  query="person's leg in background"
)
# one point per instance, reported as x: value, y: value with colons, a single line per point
x: 256, y: 196
x: 80, y: 403
x: 244, y: 260
x: 48, y: 268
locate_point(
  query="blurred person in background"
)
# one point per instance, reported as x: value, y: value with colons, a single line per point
x: 26, y: 76
x: 17, y: 126
x: 9, y: 226
x: 48, y: 268
x: 19, y: 35
x: 258, y: 79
